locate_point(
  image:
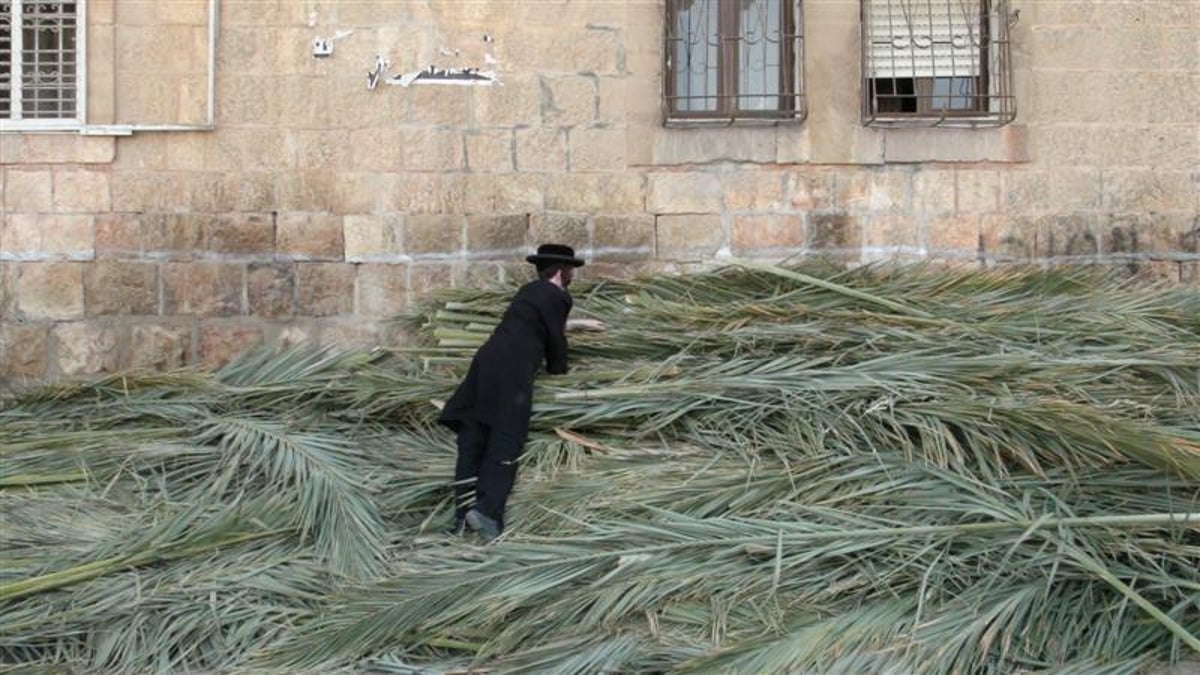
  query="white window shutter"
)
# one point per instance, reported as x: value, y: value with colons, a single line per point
x: 923, y: 38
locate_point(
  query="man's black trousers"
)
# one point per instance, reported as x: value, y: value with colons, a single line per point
x: 490, y: 456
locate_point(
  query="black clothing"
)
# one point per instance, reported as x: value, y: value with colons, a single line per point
x: 491, y: 455
x: 498, y: 388
x: 490, y: 410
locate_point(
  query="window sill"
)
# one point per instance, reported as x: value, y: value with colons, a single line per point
x: 708, y: 122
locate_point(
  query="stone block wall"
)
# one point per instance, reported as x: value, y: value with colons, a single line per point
x: 317, y: 208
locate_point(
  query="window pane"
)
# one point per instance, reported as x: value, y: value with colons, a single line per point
x: 953, y: 93
x: 760, y: 54
x: 48, y: 60
x: 695, y: 54
x: 5, y: 58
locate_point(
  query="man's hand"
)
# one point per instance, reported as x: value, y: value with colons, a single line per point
x: 586, y: 324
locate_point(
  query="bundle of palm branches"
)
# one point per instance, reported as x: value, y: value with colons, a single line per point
x: 755, y: 469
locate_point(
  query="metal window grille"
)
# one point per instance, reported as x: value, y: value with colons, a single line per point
x: 733, y: 60
x: 936, y: 63
x: 38, y: 60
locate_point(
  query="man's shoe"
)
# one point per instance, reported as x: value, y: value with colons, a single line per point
x: 458, y: 529
x: 486, y: 527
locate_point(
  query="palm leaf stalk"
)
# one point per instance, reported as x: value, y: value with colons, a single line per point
x: 755, y: 469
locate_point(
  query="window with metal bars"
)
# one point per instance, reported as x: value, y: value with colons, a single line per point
x: 733, y: 60
x: 39, y: 62
x: 936, y: 62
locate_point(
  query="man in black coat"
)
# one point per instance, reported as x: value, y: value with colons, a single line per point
x: 490, y: 410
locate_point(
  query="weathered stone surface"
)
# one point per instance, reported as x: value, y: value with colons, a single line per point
x: 27, y: 191
x: 159, y: 346
x: 559, y: 228
x: 240, y: 234
x: 270, y: 290
x: 496, y: 236
x: 81, y: 191
x: 373, y: 238
x: 688, y: 237
x: 568, y: 101
x: 754, y: 190
x: 23, y: 350
x: 834, y: 231
x: 892, y: 233
x: 490, y: 150
x: 690, y: 192
x: 440, y: 106
x: 87, y: 347
x: 427, y: 149
x: 309, y: 236
x: 47, y: 290
x: 518, y: 102
x: 809, y: 190
x: 426, y: 235
x: 541, y: 149
x: 767, y: 235
x: 382, y: 289
x: 426, y: 277
x: 120, y: 287
x: 622, y: 238
x: 28, y: 236
x: 202, y: 288
x: 956, y: 236
x: 324, y: 289
x: 596, y: 149
x: 977, y: 191
x: 8, y: 289
x: 221, y: 342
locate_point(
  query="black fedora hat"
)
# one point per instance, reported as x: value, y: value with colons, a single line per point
x: 548, y: 254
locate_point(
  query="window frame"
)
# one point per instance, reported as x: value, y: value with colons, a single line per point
x: 791, y: 66
x: 995, y: 103
x: 10, y: 125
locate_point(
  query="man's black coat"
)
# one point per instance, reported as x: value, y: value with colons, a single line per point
x: 498, y: 388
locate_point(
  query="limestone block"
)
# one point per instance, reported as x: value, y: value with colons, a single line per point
x: 683, y: 192
x: 309, y: 236
x: 174, y: 236
x: 1189, y: 274
x: 153, y: 48
x: 63, y: 149
x: 886, y: 233
x: 250, y: 192
x: 382, y: 289
x: 834, y: 231
x: 518, y: 102
x: 568, y: 101
x: 8, y: 289
x: 23, y: 350
x: 120, y: 287
x: 188, y: 12
x: 509, y: 193
x: 1068, y: 235
x: 118, y: 235
x: 28, y: 191
x: 271, y: 290
x: 440, y: 106
x: 977, y: 191
x: 376, y: 150
x: 240, y: 234
x: 612, y: 103
x: 363, y: 192
x: 202, y: 288
x: 697, y: 145
x: 558, y: 228
x: 1024, y: 191
x: 427, y: 193
x: 767, y: 234
x: 373, y: 238
x: 490, y: 150
x: 808, y: 190
x: 248, y: 148
x: 251, y: 98
x: 596, y: 149
x: 688, y: 237
x: 101, y: 12
x: 753, y: 190
x: 221, y: 342
x: 496, y: 236
x: 87, y: 347
x: 1069, y: 144
x: 433, y: 234
x: 81, y: 191
x: 954, y: 236
x: 597, y: 51
x: 328, y: 149
x: 159, y: 346
x: 357, y: 333
x: 47, y: 290
x: 426, y: 277
x: 623, y: 238
x: 603, y: 193
x: 308, y: 191
x: 143, y: 190
x: 1148, y: 190
x: 932, y: 192
x: 541, y: 149
x: 325, y: 289
x: 1075, y: 189
x: 29, y: 236
x: 432, y: 149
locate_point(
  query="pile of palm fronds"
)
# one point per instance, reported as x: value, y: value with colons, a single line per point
x: 752, y: 470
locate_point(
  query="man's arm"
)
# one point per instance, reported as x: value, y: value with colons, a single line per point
x: 555, y: 316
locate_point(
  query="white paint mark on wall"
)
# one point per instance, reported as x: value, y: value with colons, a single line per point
x: 468, y: 77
